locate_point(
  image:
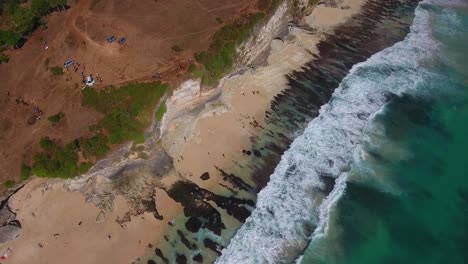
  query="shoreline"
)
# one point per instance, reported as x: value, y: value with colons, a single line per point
x: 230, y: 117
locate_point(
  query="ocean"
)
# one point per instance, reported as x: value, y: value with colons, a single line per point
x: 379, y: 174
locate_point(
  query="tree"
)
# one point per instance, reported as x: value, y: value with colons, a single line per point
x: 56, y: 118
x: 40, y: 7
x: 9, y: 38
x: 94, y: 146
x: 56, y: 3
x: 46, y: 143
x: 24, y: 20
x: 25, y: 172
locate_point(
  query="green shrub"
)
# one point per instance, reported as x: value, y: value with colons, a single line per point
x: 221, y: 55
x: 9, y: 183
x: 127, y: 110
x: 57, y: 70
x: 25, y: 172
x: 56, y: 118
x: 59, y: 163
x: 195, y: 71
x: 40, y: 7
x: 313, y: 2
x: 8, y: 38
x: 24, y: 19
x: 94, y: 146
x: 46, y: 143
x: 160, y: 112
x: 84, y: 167
x: 4, y: 58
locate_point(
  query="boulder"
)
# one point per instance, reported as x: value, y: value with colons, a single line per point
x: 6, y: 215
x: 9, y: 232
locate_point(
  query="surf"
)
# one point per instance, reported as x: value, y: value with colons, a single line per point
x: 294, y: 208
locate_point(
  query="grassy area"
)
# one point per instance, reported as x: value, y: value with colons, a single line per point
x: 56, y: 161
x: 25, y: 172
x: 161, y: 111
x: 221, y: 55
x: 19, y: 20
x: 4, y: 58
x: 9, y: 183
x: 313, y: 2
x: 55, y: 119
x: 127, y: 112
x: 127, y: 109
x: 195, y: 71
x: 95, y: 146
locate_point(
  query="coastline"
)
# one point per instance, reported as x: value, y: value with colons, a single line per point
x: 218, y: 125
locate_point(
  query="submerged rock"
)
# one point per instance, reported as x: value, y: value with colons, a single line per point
x: 198, y: 258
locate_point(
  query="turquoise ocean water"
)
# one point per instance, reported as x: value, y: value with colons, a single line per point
x: 393, y: 138
x: 405, y: 199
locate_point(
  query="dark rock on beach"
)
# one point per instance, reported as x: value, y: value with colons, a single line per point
x: 213, y: 246
x: 159, y: 253
x: 205, y: 176
x: 195, y: 202
x: 181, y: 259
x: 193, y: 224
x: 198, y: 258
x: 235, y: 181
x: 185, y: 241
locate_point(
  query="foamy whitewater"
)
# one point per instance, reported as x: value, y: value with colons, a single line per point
x: 292, y: 210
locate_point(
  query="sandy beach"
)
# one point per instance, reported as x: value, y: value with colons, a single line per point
x: 203, y: 131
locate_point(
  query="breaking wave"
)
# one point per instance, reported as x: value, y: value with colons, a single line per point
x: 294, y: 207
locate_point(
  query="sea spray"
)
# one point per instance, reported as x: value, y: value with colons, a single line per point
x: 288, y: 208
x: 407, y: 196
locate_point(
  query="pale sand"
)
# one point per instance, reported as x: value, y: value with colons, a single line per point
x: 221, y: 127
x: 48, y: 209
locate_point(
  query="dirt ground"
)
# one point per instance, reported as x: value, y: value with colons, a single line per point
x: 151, y: 27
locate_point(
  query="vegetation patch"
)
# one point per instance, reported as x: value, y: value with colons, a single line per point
x: 161, y: 111
x: 46, y: 143
x: 127, y: 112
x: 55, y: 119
x: 4, y: 58
x: 127, y: 109
x: 57, y: 162
x: 57, y: 70
x: 25, y: 172
x: 95, y: 146
x: 195, y: 71
x: 19, y: 20
x: 9, y: 183
x: 221, y: 55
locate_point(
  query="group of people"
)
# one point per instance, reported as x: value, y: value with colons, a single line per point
x: 75, y: 68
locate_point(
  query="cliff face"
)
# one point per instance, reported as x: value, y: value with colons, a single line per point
x: 258, y: 45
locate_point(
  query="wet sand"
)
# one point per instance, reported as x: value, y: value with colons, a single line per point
x: 202, y: 131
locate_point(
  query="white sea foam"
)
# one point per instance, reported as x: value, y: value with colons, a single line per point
x: 279, y: 228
